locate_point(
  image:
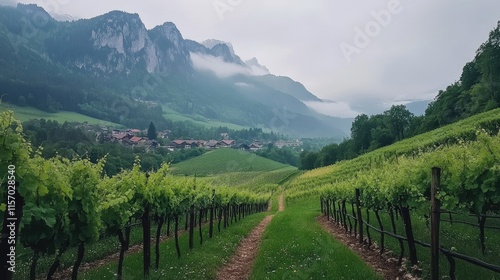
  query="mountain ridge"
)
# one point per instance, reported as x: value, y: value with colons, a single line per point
x: 112, y: 67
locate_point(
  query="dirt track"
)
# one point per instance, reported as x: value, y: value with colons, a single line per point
x: 383, y: 264
x: 240, y: 266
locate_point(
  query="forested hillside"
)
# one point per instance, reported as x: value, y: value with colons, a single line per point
x: 477, y: 91
x: 112, y: 68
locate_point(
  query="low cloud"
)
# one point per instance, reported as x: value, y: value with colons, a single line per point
x: 258, y: 71
x: 217, y: 66
x: 243, y: 85
x: 404, y: 101
x: 389, y: 104
x: 331, y: 108
x: 8, y: 2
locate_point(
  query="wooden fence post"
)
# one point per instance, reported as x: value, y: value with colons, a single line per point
x: 344, y: 215
x: 211, y: 226
x: 146, y: 240
x: 176, y: 235
x: 328, y: 209
x: 368, y: 228
x: 334, y: 211
x: 435, y: 218
x: 405, y: 214
x: 382, y: 235
x: 191, y: 226
x: 359, y: 217
x: 200, y: 220
x: 355, y: 221
x: 482, y: 222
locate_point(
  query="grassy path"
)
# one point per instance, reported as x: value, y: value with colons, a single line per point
x: 281, y: 206
x: 295, y: 246
x: 200, y: 263
x: 240, y: 265
x: 385, y: 264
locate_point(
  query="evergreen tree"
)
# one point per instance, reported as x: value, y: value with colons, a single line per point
x: 151, y: 131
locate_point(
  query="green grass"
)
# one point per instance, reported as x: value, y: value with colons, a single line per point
x: 295, y: 246
x: 93, y: 251
x: 254, y: 178
x: 255, y: 181
x: 463, y: 238
x: 462, y: 128
x: 200, y: 120
x: 309, y: 181
x: 275, y: 202
x: 28, y: 113
x: 225, y: 160
x: 202, y: 262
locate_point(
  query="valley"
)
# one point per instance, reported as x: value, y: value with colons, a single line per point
x: 128, y: 151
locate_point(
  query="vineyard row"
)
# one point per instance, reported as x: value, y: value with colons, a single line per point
x: 63, y: 203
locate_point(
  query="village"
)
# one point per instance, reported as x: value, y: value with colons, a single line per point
x: 138, y: 138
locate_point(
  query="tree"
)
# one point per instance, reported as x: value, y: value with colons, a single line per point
x: 470, y: 75
x: 307, y: 160
x: 398, y: 120
x: 488, y: 59
x: 361, y: 133
x: 381, y: 137
x: 327, y: 155
x: 380, y: 133
x: 151, y: 131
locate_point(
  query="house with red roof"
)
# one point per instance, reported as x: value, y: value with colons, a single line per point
x: 226, y: 143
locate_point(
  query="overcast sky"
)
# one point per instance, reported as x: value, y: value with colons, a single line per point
x: 337, y: 49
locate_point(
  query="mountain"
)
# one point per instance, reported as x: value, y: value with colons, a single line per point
x: 418, y: 107
x: 374, y: 106
x: 113, y: 68
x: 223, y: 50
x: 118, y: 44
x: 256, y: 67
x: 287, y: 85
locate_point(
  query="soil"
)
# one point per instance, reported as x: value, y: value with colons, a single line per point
x: 66, y: 273
x: 240, y: 266
x: 384, y: 264
x: 281, y: 203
